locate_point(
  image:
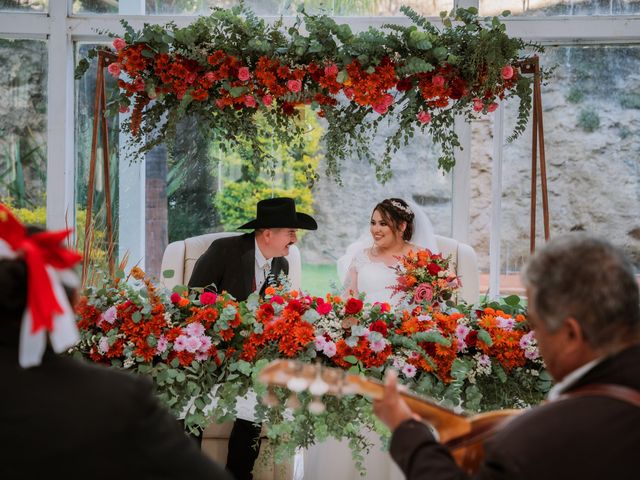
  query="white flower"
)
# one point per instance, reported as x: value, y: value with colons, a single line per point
x: 409, y: 370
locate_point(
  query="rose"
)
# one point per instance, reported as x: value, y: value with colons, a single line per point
x: 210, y: 76
x: 323, y: 307
x: 424, y: 117
x: 423, y: 293
x: 380, y: 327
x: 277, y: 299
x: 119, y: 44
x: 175, y: 297
x: 507, y: 72
x: 249, y: 101
x: 353, y: 306
x: 492, y: 107
x: 434, y: 268
x: 477, y: 105
x: 114, y: 69
x: 294, y: 85
x: 267, y: 100
x: 243, y: 74
x: 208, y: 298
x: 384, y: 306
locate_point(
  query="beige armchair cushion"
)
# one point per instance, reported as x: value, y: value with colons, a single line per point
x: 464, y: 258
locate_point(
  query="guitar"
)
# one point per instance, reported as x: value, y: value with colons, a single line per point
x: 463, y: 434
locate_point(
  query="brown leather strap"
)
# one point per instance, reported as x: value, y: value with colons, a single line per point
x: 610, y: 390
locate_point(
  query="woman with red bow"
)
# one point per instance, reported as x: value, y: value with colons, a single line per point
x: 60, y: 414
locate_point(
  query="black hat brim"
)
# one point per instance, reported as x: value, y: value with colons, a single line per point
x: 302, y: 221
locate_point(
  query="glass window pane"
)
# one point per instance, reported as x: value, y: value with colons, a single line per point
x: 288, y: 7
x: 85, y: 97
x: 23, y: 128
x: 591, y: 114
x: 97, y: 6
x: 545, y: 8
x: 26, y: 6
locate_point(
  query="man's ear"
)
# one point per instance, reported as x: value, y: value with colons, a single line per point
x: 574, y: 337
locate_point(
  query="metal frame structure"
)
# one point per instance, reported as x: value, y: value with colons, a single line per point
x: 61, y: 28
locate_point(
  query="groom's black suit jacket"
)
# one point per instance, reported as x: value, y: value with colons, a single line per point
x: 229, y: 264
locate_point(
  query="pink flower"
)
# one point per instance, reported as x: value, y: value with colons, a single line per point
x: 109, y: 315
x: 492, y: 107
x: 201, y: 356
x: 294, y: 85
x: 387, y: 100
x: 267, y: 100
x: 329, y: 349
x: 161, y: 347
x: 424, y: 117
x: 349, y: 93
x: 180, y: 344
x: 331, y: 70
x: 210, y: 76
x: 208, y: 298
x: 378, y: 345
x: 205, y: 343
x: 384, y: 306
x: 194, y: 329
x: 323, y: 307
x: 175, y: 297
x: 409, y: 370
x: 119, y: 44
x: 507, y: 72
x: 114, y: 69
x: 477, y: 105
x: 438, y: 81
x: 243, y: 74
x: 249, y: 101
x: 277, y: 299
x: 320, y: 342
x: 423, y: 293
x: 123, y: 109
x: 506, y: 323
x: 192, y: 344
x: 380, y: 108
x: 103, y: 345
x: 220, y: 104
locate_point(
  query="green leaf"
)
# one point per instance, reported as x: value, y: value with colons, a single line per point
x: 235, y: 92
x: 484, y: 336
x: 169, y: 273
x: 350, y: 359
x: 136, y: 317
x: 342, y: 76
x: 512, y: 300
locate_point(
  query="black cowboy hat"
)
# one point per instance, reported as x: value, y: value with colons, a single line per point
x: 280, y: 213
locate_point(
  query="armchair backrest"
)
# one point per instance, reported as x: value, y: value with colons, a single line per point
x: 180, y: 257
x: 465, y: 260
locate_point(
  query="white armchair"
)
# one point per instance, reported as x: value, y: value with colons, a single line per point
x: 464, y: 258
x: 180, y: 257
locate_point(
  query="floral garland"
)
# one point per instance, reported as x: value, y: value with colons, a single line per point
x: 229, y: 67
x: 481, y: 358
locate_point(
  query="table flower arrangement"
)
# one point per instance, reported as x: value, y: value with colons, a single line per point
x: 468, y: 357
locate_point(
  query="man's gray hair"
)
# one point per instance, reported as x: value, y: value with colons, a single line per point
x: 581, y: 276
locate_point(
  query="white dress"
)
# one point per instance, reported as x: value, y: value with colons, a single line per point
x: 332, y: 459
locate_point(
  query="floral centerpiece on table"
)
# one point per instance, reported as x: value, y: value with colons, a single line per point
x: 180, y: 340
x: 469, y: 357
x: 425, y: 278
x: 230, y: 67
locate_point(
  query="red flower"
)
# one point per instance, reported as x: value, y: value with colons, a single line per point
x: 404, y: 85
x: 353, y: 306
x: 207, y: 298
x: 379, y: 326
x: 434, y: 268
x: 277, y: 299
x: 294, y: 85
x: 507, y: 72
x: 175, y: 297
x: 323, y: 307
x: 267, y: 100
x: 243, y: 74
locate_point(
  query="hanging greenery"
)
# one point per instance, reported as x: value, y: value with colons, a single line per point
x: 226, y: 68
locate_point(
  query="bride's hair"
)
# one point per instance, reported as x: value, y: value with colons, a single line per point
x: 395, y: 211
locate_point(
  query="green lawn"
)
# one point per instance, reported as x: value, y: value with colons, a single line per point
x: 318, y: 280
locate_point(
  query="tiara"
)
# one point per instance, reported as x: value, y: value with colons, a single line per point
x: 401, y: 207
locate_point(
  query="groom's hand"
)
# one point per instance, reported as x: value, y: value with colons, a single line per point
x: 391, y: 408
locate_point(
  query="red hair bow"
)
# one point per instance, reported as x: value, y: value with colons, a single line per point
x: 39, y: 251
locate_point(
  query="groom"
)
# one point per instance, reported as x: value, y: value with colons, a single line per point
x: 241, y: 265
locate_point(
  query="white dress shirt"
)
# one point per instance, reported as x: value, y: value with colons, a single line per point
x: 262, y: 268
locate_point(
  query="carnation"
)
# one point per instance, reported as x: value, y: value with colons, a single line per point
x: 208, y: 298
x: 194, y: 329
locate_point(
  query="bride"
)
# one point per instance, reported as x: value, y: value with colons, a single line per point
x: 396, y: 227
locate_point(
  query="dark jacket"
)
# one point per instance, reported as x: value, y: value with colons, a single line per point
x: 76, y: 420
x: 587, y: 438
x: 229, y: 264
